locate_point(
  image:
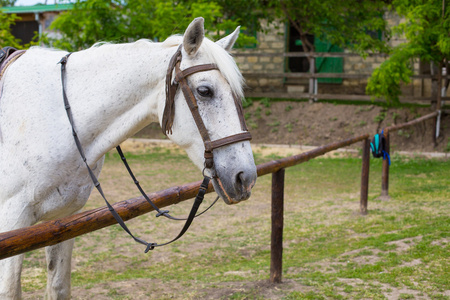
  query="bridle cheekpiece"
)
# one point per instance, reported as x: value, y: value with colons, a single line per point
x: 169, y: 110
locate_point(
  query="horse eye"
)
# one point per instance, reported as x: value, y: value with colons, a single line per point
x: 205, y: 91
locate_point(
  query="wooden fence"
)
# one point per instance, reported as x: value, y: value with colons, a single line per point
x: 278, y: 186
x: 313, y: 93
x: 52, y: 232
x: 387, y: 131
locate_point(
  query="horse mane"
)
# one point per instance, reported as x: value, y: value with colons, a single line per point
x: 215, y: 53
x: 219, y: 56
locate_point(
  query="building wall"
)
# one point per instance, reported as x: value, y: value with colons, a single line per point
x: 40, y: 19
x: 275, y: 40
x: 271, y: 42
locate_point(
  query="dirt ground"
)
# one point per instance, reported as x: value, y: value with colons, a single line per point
x: 111, y: 248
x: 317, y: 124
x: 287, y: 123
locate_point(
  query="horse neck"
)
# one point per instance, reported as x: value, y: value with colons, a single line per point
x: 114, y: 91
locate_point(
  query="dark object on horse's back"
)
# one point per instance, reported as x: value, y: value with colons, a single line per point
x: 7, y: 56
x: 5, y: 52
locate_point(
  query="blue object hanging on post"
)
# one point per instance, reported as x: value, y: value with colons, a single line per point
x: 378, y: 147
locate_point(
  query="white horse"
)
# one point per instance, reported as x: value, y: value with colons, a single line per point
x: 114, y: 91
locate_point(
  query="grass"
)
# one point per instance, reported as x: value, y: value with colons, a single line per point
x: 380, y: 117
x: 400, y: 250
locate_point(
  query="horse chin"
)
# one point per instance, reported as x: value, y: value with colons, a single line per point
x: 230, y: 196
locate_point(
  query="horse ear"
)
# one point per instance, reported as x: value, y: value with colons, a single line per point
x: 193, y: 37
x: 227, y: 42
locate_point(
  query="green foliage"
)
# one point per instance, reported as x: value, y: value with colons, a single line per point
x: 347, y: 24
x: 395, y: 116
x: 385, y: 80
x: 247, y: 102
x: 7, y: 2
x: 245, y: 12
x: 425, y: 27
x: 289, y: 126
x: 275, y: 123
x: 288, y: 108
x: 92, y: 21
x: 343, y: 23
x: 265, y: 102
x: 380, y: 117
x: 6, y: 38
x: 89, y: 22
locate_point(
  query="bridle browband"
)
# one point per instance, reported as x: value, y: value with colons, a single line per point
x: 168, y: 117
x: 169, y: 109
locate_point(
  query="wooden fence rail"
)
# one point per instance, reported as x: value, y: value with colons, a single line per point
x: 362, y: 98
x: 323, y: 75
x: 304, y: 54
x: 52, y: 232
x: 312, y: 75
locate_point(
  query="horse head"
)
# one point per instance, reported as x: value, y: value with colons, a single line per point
x: 204, y: 79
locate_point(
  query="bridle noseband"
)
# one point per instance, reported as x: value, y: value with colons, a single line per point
x: 169, y: 110
x: 168, y: 117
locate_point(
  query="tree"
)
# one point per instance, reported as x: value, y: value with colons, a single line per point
x: 426, y: 28
x: 91, y: 21
x: 247, y: 13
x: 7, y: 3
x: 347, y: 24
x: 6, y: 38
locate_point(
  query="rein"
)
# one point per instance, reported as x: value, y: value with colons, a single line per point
x: 164, y: 213
x: 167, y: 122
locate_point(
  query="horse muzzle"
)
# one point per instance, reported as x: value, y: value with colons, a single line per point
x: 235, y: 188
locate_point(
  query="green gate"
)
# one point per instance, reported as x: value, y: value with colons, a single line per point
x: 328, y: 64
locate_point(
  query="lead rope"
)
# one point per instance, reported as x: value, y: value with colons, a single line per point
x: 149, y: 246
x: 164, y: 213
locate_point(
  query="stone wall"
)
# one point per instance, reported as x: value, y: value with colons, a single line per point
x: 272, y: 42
x: 359, y: 65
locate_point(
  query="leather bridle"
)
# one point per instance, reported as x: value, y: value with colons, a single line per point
x: 169, y: 110
x: 168, y: 117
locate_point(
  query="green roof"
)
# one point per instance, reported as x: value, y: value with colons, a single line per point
x: 36, y: 8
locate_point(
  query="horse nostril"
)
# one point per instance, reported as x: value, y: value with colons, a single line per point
x: 243, y: 182
x: 240, y: 181
x: 243, y: 185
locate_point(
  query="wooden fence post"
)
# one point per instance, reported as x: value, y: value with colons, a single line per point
x: 439, y: 96
x: 312, y: 80
x: 365, y: 176
x: 385, y: 173
x: 276, y: 248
